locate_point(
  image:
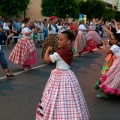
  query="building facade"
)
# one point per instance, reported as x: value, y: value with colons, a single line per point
x: 118, y: 5
x: 115, y: 4
x: 34, y: 10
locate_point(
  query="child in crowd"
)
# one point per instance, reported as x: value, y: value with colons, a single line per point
x: 62, y: 98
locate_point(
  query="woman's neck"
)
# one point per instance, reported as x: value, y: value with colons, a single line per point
x: 26, y: 25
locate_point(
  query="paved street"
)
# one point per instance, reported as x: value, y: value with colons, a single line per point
x: 20, y: 95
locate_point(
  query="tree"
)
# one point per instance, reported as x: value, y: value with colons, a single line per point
x: 109, y: 14
x: 60, y: 8
x: 92, y: 8
x: 70, y: 7
x: 117, y: 16
x: 48, y: 7
x: 10, y: 8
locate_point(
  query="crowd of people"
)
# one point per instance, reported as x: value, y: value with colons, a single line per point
x: 62, y: 98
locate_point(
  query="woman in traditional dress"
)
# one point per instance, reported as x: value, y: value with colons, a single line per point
x: 52, y: 37
x: 109, y: 82
x: 110, y: 57
x: 83, y: 42
x: 62, y: 98
x: 93, y: 34
x: 24, y: 52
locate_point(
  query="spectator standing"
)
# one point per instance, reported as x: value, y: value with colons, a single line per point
x: 1, y: 21
x: 45, y: 30
x: 16, y: 26
x: 40, y: 33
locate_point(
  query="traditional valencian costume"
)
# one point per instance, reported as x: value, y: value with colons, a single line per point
x: 62, y: 98
x: 94, y: 35
x: 110, y: 80
x: 24, y: 52
x: 83, y: 42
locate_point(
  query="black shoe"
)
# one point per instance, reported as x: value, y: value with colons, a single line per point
x: 9, y: 75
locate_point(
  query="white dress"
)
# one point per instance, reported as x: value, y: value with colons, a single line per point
x: 111, y: 79
x: 62, y: 98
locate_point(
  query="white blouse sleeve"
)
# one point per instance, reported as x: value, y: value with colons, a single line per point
x: 25, y: 29
x: 114, y: 48
x: 54, y: 57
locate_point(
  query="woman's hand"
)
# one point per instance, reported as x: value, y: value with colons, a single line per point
x: 105, y: 48
x: 113, y: 20
x: 33, y: 30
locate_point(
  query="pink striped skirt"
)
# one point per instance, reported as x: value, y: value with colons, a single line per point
x: 62, y: 98
x: 110, y: 81
x: 95, y: 36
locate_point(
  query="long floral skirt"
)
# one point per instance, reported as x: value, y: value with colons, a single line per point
x: 62, y: 98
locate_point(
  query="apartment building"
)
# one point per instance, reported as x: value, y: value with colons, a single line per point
x: 118, y: 5
x: 115, y: 4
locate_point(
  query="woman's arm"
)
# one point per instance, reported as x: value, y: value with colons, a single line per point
x: 116, y: 27
x: 108, y: 31
x: 107, y: 51
x: 28, y: 33
x: 47, y: 57
x: 99, y: 21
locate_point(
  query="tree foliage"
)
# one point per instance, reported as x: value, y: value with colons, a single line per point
x: 60, y: 8
x: 10, y: 8
x: 109, y: 14
x: 117, y: 16
x: 48, y: 7
x: 92, y: 8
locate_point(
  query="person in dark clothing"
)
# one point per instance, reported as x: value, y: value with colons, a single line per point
x: 3, y: 61
x: 113, y: 29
